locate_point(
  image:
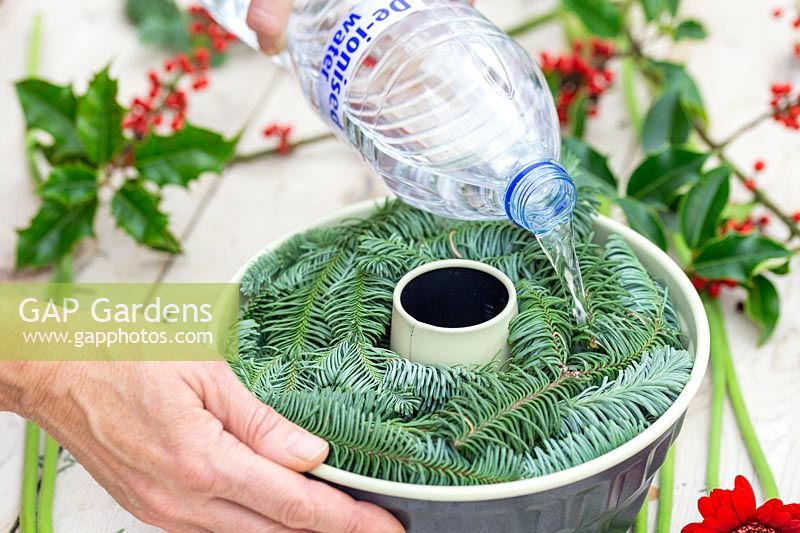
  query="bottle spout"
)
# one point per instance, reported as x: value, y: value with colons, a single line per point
x: 541, y: 197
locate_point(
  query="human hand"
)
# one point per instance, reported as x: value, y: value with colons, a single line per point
x: 184, y: 446
x: 268, y: 18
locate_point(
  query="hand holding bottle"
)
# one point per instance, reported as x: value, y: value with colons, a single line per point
x: 268, y: 18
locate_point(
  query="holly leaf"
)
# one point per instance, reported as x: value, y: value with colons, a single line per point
x: 169, y: 33
x: 666, y: 122
x: 577, y: 116
x: 138, y: 11
x: 644, y: 219
x: 672, y: 6
x: 181, y: 157
x: 781, y: 270
x: 594, y: 166
x: 738, y: 212
x: 99, y: 118
x: 763, y: 307
x: 600, y: 17
x: 70, y: 185
x: 689, y: 29
x: 676, y: 77
x: 136, y: 211
x: 700, y: 210
x: 51, y: 108
x: 739, y: 257
x: 54, y: 232
x: 160, y: 22
x: 653, y: 8
x: 660, y: 177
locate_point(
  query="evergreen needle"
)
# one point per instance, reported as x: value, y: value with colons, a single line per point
x: 314, y: 334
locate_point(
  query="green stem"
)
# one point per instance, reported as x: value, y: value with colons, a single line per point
x: 35, y: 46
x: 666, y: 486
x: 47, y: 489
x: 63, y: 271
x: 30, y: 478
x: 533, y: 22
x: 760, y: 463
x: 34, y: 56
x: 31, y: 149
x: 243, y: 158
x: 744, y: 128
x: 719, y: 346
x: 640, y: 525
x: 628, y: 80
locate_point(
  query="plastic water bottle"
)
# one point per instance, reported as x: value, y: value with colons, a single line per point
x: 449, y: 110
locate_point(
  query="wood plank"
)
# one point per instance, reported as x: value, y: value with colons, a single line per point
x: 12, y: 438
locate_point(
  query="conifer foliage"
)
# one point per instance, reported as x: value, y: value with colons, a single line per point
x: 313, y: 343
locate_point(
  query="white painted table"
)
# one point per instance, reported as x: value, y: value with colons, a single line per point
x: 224, y: 221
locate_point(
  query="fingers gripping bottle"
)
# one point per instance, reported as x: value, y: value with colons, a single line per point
x: 452, y: 113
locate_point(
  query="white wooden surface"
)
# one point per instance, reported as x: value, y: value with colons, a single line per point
x: 224, y: 221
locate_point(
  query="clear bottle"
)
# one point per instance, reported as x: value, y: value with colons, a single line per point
x: 450, y: 111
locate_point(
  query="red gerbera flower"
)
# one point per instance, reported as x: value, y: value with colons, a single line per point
x: 735, y: 511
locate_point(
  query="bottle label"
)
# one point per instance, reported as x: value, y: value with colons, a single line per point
x: 347, y: 47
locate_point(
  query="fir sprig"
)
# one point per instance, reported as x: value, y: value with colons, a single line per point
x: 315, y: 329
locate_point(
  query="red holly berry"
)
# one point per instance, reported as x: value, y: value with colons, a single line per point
x: 200, y: 83
x: 714, y: 289
x: 763, y: 221
x: 731, y: 283
x: 186, y: 65
x: 283, y: 147
x: 759, y: 165
x: 177, y: 123
x: 781, y: 88
x: 144, y: 105
x: 746, y: 228
x: 796, y: 216
x: 203, y: 57
x: 777, y: 12
x: 699, y: 282
x: 579, y: 75
x: 796, y: 22
x: 197, y: 28
x: 220, y: 44
x: 750, y: 183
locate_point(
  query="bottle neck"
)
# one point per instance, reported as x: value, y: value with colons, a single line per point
x: 540, y: 197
